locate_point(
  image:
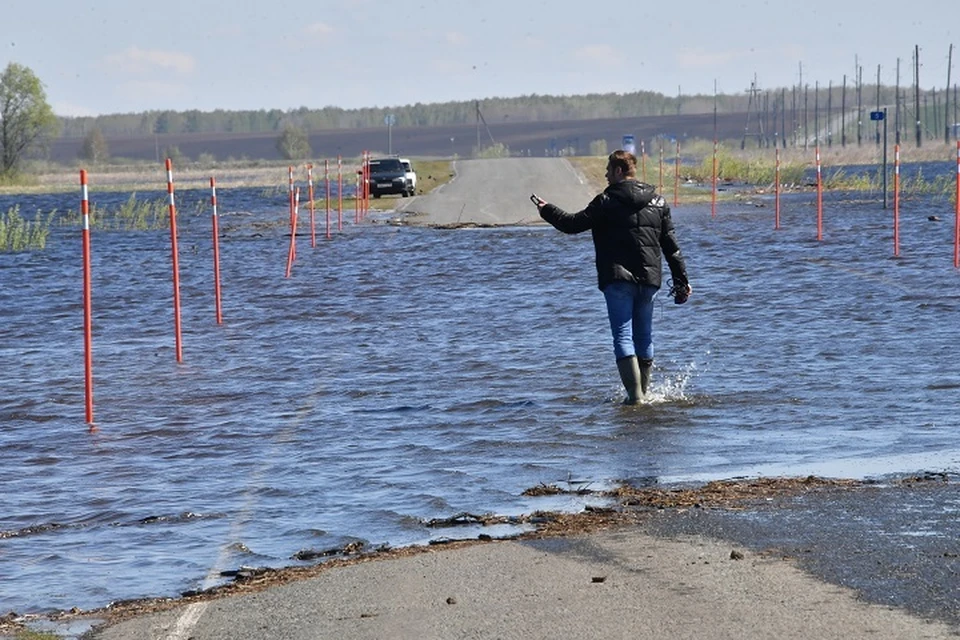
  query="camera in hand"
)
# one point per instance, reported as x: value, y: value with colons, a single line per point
x: 680, y: 293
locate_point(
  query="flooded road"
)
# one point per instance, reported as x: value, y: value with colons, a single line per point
x: 405, y: 373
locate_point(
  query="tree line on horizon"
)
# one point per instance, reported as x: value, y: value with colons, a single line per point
x: 27, y: 122
x: 530, y: 108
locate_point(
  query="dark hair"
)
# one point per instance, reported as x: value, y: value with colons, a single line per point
x: 625, y: 161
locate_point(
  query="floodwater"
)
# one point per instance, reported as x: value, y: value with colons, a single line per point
x: 403, y: 374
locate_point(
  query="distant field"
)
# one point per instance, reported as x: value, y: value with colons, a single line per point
x: 533, y: 138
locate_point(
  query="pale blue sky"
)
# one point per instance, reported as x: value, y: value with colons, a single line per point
x: 112, y: 56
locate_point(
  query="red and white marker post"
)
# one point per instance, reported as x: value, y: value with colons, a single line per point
x: 956, y: 228
x: 896, y: 200
x: 292, y: 252
x: 713, y: 198
x: 176, y: 262
x: 356, y: 205
x: 339, y: 193
x: 776, y: 192
x: 326, y: 183
x: 216, y: 250
x: 87, y: 304
x: 676, y: 177
x: 293, y: 222
x: 819, y: 197
x: 660, y: 184
x: 643, y: 162
x: 313, y: 222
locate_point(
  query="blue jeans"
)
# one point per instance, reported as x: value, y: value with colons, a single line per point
x: 630, y: 309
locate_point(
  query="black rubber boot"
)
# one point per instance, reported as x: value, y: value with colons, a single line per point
x: 630, y: 376
x: 646, y: 366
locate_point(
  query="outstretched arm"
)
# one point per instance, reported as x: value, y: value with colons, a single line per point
x: 572, y: 222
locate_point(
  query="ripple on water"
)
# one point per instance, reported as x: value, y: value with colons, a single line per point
x: 406, y: 374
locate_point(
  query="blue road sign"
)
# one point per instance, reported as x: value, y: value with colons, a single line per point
x: 876, y: 115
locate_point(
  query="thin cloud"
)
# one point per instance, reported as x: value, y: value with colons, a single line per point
x: 533, y: 42
x: 160, y: 92
x: 140, y: 61
x: 455, y: 38
x: 447, y: 66
x: 318, y: 29
x: 596, y: 53
x: 700, y: 59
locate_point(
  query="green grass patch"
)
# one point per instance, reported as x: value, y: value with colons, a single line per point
x: 19, y: 234
x: 35, y: 635
x: 133, y: 215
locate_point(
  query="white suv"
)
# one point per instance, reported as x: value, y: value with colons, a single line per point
x: 410, y: 174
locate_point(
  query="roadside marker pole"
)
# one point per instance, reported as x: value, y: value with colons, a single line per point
x: 176, y: 262
x: 293, y: 221
x: 313, y: 223
x: 356, y: 206
x: 896, y: 200
x: 339, y: 193
x: 819, y: 197
x: 216, y: 250
x: 326, y: 184
x: 643, y: 162
x: 660, y: 184
x: 87, y: 303
x: 366, y: 184
x: 776, y: 191
x: 713, y: 200
x: 956, y: 232
x: 292, y: 253
x: 676, y: 177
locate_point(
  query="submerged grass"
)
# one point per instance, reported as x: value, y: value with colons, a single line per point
x: 20, y: 234
x: 133, y: 215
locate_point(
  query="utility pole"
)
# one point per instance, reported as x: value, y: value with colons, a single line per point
x: 796, y: 119
x: 830, y: 113
x: 896, y: 116
x: 936, y: 109
x: 843, y: 113
x: 753, y: 103
x: 946, y: 99
x: 796, y: 123
x: 714, y: 112
x: 783, y: 117
x: 816, y: 112
x: 916, y: 91
x: 878, y: 104
x: 859, y: 106
x: 478, y: 127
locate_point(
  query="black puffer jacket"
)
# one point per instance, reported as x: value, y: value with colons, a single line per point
x: 632, y: 229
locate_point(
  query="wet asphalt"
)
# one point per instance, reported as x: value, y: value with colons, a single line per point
x: 895, y: 542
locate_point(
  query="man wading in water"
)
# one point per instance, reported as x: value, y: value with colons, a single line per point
x: 632, y: 229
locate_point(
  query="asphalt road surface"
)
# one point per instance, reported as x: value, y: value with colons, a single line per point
x: 496, y: 192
